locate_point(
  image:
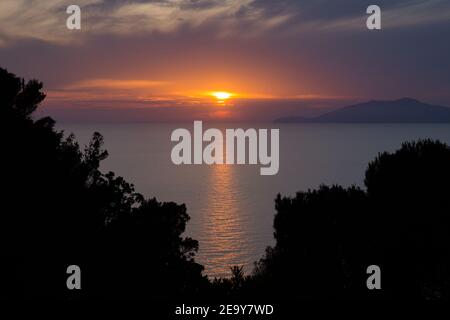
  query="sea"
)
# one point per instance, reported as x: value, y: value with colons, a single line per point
x: 232, y: 206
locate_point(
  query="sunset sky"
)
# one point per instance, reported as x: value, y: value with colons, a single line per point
x: 163, y: 60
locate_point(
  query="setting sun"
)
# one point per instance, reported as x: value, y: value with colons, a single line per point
x: 221, y: 95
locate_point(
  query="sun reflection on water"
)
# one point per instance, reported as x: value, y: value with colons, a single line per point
x: 222, y: 227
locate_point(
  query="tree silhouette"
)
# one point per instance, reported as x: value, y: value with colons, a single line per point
x: 316, y: 253
x: 326, y: 238
x: 410, y: 203
x: 59, y: 209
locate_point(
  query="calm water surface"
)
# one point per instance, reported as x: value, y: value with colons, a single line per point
x: 232, y: 206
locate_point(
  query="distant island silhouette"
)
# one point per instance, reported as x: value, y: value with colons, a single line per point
x: 405, y: 110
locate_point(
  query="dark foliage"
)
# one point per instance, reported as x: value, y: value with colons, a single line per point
x: 326, y: 238
x: 319, y: 250
x: 59, y: 209
x: 409, y: 196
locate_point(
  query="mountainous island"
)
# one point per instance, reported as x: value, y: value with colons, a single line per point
x: 405, y: 110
